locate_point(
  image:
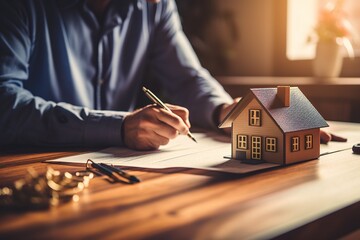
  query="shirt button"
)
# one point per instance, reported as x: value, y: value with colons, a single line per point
x: 139, y: 5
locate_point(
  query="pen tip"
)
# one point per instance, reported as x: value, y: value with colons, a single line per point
x: 144, y: 89
x: 191, y: 137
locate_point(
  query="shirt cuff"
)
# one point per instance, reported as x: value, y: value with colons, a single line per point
x: 103, y: 128
x: 212, y: 114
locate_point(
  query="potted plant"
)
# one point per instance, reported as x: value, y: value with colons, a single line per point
x: 332, y: 32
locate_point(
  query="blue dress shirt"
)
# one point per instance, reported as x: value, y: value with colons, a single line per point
x: 67, y: 79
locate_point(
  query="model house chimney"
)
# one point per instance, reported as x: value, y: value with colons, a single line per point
x: 283, y: 94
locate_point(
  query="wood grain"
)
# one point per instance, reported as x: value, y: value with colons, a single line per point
x: 310, y: 199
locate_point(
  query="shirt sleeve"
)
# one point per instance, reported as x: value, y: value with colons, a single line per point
x: 176, y: 66
x: 29, y: 120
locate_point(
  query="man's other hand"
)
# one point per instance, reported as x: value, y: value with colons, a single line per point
x: 150, y: 127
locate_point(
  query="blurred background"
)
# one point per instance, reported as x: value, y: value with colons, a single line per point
x: 261, y: 37
x: 312, y: 44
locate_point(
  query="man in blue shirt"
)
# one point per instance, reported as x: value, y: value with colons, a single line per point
x: 71, y: 71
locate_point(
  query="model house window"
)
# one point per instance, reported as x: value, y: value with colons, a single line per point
x: 308, y: 141
x: 295, y: 144
x: 255, y: 147
x: 242, y: 142
x: 270, y: 144
x: 255, y: 117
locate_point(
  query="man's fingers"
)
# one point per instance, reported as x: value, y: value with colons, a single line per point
x: 145, y: 137
x: 182, y: 112
x: 150, y: 127
x: 150, y: 141
x: 163, y: 129
x: 337, y: 138
x: 326, y: 137
x: 164, y: 123
x: 173, y: 121
x: 150, y: 122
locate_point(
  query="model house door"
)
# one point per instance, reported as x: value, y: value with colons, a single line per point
x: 240, y: 154
x: 256, y: 147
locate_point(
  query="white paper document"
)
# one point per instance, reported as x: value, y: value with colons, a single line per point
x: 182, y: 152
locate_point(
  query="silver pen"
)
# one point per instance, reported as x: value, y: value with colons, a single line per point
x: 157, y: 101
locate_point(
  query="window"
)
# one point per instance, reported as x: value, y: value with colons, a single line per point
x: 271, y: 144
x: 255, y: 118
x: 242, y: 141
x: 301, y: 19
x: 308, y: 141
x: 295, y: 144
x: 256, y: 147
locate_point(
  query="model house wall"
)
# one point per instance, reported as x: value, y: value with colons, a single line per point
x: 267, y: 128
x: 306, y: 151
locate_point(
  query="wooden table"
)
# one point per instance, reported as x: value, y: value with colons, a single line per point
x: 319, y: 198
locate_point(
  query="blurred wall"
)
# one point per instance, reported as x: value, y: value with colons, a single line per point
x: 231, y: 37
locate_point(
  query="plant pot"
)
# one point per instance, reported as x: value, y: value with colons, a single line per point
x: 328, y: 59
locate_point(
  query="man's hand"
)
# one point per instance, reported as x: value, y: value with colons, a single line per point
x: 325, y: 137
x: 150, y: 127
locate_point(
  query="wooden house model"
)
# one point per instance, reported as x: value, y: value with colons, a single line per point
x: 277, y: 125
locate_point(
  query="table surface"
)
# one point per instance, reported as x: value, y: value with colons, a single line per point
x: 316, y: 198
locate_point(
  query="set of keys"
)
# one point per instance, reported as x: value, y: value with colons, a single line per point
x: 39, y: 191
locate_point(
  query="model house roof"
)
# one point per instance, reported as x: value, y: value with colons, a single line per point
x: 299, y: 115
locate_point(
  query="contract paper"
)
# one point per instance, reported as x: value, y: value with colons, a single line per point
x: 209, y: 153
